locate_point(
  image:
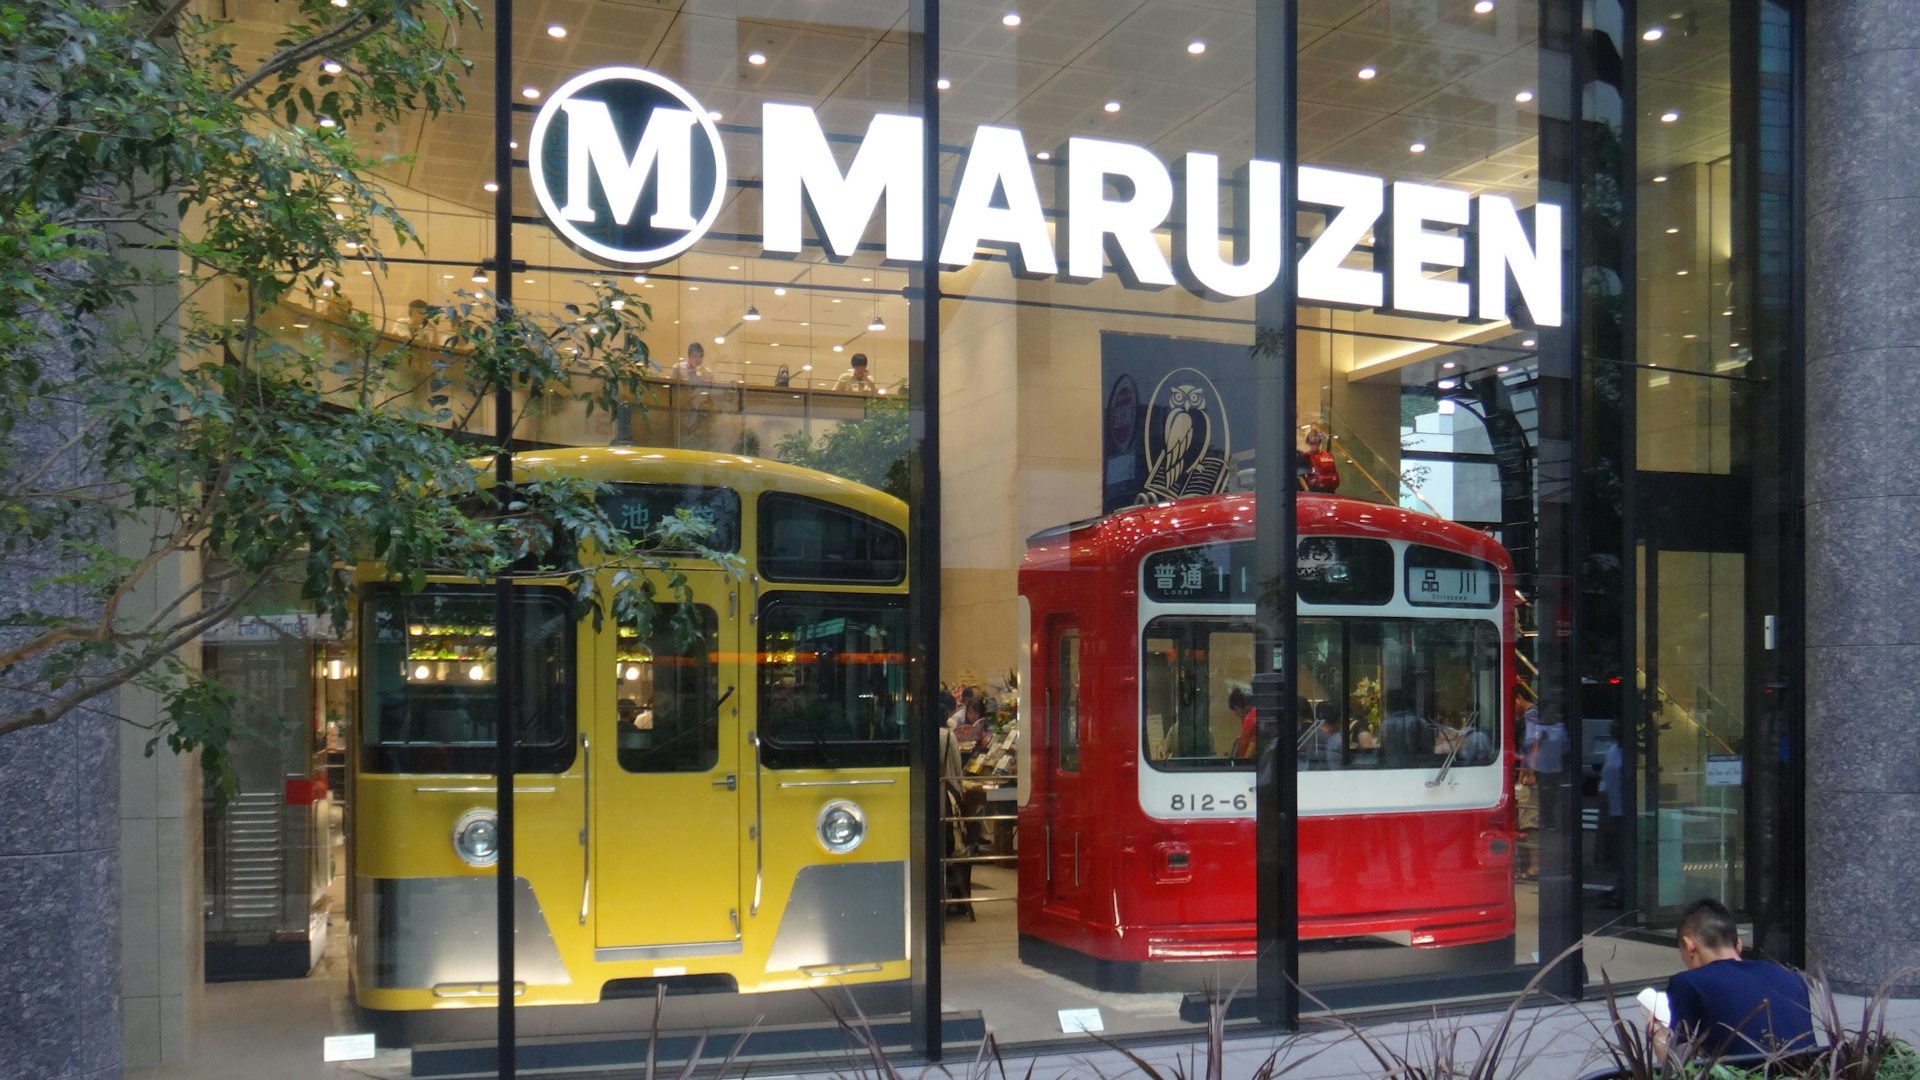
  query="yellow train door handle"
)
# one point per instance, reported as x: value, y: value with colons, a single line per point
x: 731, y: 783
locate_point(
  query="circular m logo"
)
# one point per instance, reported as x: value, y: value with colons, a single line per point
x: 627, y: 165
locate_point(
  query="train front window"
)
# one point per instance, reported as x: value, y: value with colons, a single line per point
x: 429, y: 702
x: 666, y: 689
x: 1192, y: 718
x: 833, y: 672
x: 1398, y: 693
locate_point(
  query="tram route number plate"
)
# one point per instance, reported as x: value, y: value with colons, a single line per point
x: 348, y: 1047
x: 1072, y: 1020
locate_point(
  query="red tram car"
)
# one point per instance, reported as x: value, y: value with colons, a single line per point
x: 1136, y: 803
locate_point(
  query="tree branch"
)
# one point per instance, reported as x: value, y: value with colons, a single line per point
x: 341, y: 38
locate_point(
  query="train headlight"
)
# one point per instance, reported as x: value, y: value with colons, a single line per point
x: 841, y: 826
x: 476, y: 838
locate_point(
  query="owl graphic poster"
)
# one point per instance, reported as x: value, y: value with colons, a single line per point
x: 1177, y: 418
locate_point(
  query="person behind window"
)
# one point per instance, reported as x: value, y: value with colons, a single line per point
x: 1325, y: 746
x: 1475, y: 747
x: 1241, y: 706
x: 1726, y: 1004
x: 856, y: 380
x: 694, y: 368
x: 1399, y: 730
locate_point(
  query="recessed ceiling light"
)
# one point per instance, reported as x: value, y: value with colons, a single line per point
x: 1523, y: 96
x: 490, y: 186
x: 1681, y: 273
x: 756, y: 58
x: 326, y: 121
x: 839, y: 348
x: 779, y: 292
x: 366, y: 273
x: 555, y: 30
x: 1483, y: 7
x: 513, y: 144
x: 1653, y: 33
x: 806, y: 367
x: 720, y: 339
x: 733, y: 266
x: 1661, y: 179
x: 773, y: 345
x: 529, y: 281
x: 1729, y: 311
x: 836, y: 299
x: 1112, y: 106
x: 336, y: 198
x: 1196, y: 47
x: 1043, y: 156
x: 1669, y: 116
x: 1689, y: 337
x: 331, y: 67
x: 1368, y: 72
x: 1011, y: 18
x: 693, y: 288
x: 639, y: 279
x: 1527, y: 344
x: 446, y: 277
x: 1502, y: 370
x: 531, y: 93
x: 866, y: 279
x: 943, y: 83
x: 1449, y: 366
x: 806, y: 324
x: 1417, y: 148
x: 713, y: 115
x: 1447, y: 384
x: 1673, y: 231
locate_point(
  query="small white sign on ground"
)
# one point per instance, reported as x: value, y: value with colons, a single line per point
x: 1072, y: 1020
x: 349, y: 1047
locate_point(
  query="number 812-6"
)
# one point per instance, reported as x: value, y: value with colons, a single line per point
x: 1201, y: 804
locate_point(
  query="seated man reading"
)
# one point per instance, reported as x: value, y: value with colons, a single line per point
x: 1727, y: 1005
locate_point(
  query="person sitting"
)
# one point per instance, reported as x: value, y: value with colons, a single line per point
x: 1726, y: 1004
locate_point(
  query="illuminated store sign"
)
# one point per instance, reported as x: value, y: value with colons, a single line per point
x: 630, y: 169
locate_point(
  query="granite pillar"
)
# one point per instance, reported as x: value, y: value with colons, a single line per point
x: 1863, y: 490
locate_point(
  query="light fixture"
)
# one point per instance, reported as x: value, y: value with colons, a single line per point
x: 756, y: 58
x: 1527, y: 344
x: 632, y: 673
x: 806, y: 367
x: 490, y: 187
x: 479, y: 276
x: 1729, y: 311
x: 943, y: 83
x: 1010, y: 19
x: 1483, y: 7
x: 331, y: 67
x: 839, y: 348
x: 693, y: 288
x: 513, y: 144
x: 1680, y: 273
x: 1448, y: 366
x: 779, y: 291
x: 617, y: 304
x: 555, y: 30
x: 1196, y: 48
x: 1653, y: 33
x: 1447, y: 384
x: 477, y: 672
x: 639, y: 279
x: 1673, y: 231
x: 1112, y: 106
x: 1669, y: 116
x: 531, y: 93
x: 326, y: 283
x: 1688, y: 337
x: 422, y: 672
x: 1502, y: 370
x: 352, y: 245
x: 1523, y: 96
x: 339, y: 3
x: 1661, y: 179
x: 1368, y: 72
x: 752, y: 314
x: 529, y: 281
x: 336, y: 198
x: 1043, y: 156
x: 714, y: 115
x: 326, y: 121
x: 1417, y: 148
x: 719, y: 339
x: 878, y: 324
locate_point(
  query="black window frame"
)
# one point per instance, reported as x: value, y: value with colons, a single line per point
x: 776, y: 753
x: 438, y: 759
x: 774, y: 568
x: 726, y: 538
x: 626, y: 755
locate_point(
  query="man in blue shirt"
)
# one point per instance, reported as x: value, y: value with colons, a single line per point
x: 1726, y: 1005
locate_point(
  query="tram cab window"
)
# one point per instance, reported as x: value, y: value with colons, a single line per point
x: 1398, y: 693
x: 811, y: 540
x: 666, y: 692
x: 638, y: 509
x: 1190, y: 667
x: 428, y: 703
x: 833, y: 671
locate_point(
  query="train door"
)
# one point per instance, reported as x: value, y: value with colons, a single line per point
x: 664, y: 791
x: 1066, y: 810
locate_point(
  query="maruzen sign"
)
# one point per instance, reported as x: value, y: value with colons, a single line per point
x: 630, y: 169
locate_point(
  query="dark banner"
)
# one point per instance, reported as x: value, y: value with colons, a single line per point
x: 1177, y: 420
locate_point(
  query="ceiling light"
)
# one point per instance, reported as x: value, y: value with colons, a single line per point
x: 1112, y: 106
x: 1043, y: 156
x: 353, y: 245
x: 1689, y: 337
x: 1483, y: 7
x: 1527, y: 344
x: 1011, y: 18
x: 1669, y: 116
x: 326, y: 121
x: 839, y: 348
x: 1661, y: 179
x: 366, y: 273
x: 720, y: 339
x: 943, y: 83
x: 339, y: 3
x: 1196, y: 48
x: 779, y: 292
x: 617, y: 305
x: 1449, y: 366
x: 1523, y: 96
x: 1680, y: 273
x: 336, y: 198
x: 713, y: 115
x: 774, y: 344
x: 806, y: 324
x: 1502, y: 370
x: 531, y: 93
x: 866, y: 279
x: 1654, y: 33
x: 1368, y: 72
x: 529, y: 281
x: 490, y: 186
x: 331, y: 67
x: 878, y: 324
x: 639, y: 279
x: 1417, y: 148
x: 1671, y: 232
x: 756, y: 58
x: 836, y: 299
x: 555, y: 30
x: 327, y: 282
x: 1729, y: 311
x: 806, y: 367
x: 479, y: 276
x: 512, y: 145
x: 446, y: 277
x: 733, y: 266
x: 693, y: 288
x: 1447, y: 384
x: 752, y: 314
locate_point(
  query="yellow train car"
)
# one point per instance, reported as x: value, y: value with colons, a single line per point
x: 730, y: 815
